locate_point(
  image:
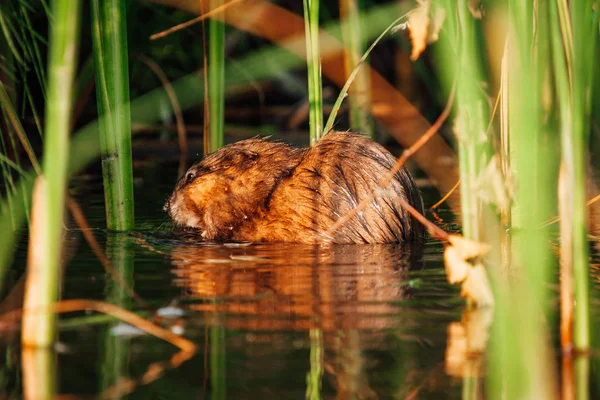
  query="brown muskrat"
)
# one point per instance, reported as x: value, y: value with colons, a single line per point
x: 262, y: 191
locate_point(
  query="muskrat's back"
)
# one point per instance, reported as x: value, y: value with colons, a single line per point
x: 274, y: 193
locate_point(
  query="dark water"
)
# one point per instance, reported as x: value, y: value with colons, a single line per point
x: 269, y: 321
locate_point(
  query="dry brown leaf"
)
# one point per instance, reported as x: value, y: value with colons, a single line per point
x: 424, y: 23
x: 418, y: 24
x: 476, y: 9
x: 477, y: 287
x: 457, y: 268
x: 467, y: 248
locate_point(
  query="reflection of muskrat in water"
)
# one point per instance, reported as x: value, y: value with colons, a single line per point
x: 256, y: 190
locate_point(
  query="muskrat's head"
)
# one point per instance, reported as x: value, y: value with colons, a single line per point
x: 229, y: 186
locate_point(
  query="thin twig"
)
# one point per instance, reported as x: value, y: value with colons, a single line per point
x: 73, y: 305
x: 193, y: 21
x: 181, y: 131
x: 86, y: 230
x: 14, y: 120
x: 436, y: 205
x: 406, y: 154
x: 434, y: 230
x: 496, y: 104
x: 557, y: 218
x: 82, y: 101
x: 154, y: 371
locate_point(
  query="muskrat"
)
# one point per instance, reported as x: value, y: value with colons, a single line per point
x: 262, y: 191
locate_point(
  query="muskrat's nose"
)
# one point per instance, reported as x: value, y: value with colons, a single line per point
x: 167, y: 205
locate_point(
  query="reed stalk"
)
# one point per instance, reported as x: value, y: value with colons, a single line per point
x: 354, y: 46
x: 475, y: 144
x: 218, y: 366
x: 315, y: 375
x: 115, y: 352
x: 109, y: 33
x: 584, y: 25
x: 313, y: 62
x: 64, y: 34
x: 40, y: 380
x: 521, y: 365
x: 216, y: 81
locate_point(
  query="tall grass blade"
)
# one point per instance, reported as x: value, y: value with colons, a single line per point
x: 11, y: 113
x: 115, y: 352
x: 64, y: 34
x: 218, y: 365
x: 112, y: 87
x: 521, y: 365
x: 216, y: 81
x: 584, y: 23
x: 7, y: 34
x: 40, y: 380
x: 354, y: 43
x: 313, y: 62
x: 472, y: 115
x: 344, y: 91
x: 315, y: 375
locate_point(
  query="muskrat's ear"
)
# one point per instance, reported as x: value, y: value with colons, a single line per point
x: 245, y: 159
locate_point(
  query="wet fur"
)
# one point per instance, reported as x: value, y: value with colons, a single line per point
x: 258, y: 190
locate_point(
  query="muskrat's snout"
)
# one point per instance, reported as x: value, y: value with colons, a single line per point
x: 185, y: 180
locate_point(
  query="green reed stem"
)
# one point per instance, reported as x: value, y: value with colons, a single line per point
x: 472, y: 116
x: 216, y: 81
x: 584, y: 22
x: 64, y: 34
x: 40, y: 373
x: 361, y: 62
x: 533, y: 144
x: 218, y: 365
x: 521, y: 365
x: 109, y: 33
x: 354, y: 43
x: 313, y: 62
x: 115, y: 353
x: 315, y: 375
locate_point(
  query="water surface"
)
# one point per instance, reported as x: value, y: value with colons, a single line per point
x: 270, y: 321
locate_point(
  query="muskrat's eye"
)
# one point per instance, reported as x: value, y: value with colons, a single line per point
x: 189, y: 177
